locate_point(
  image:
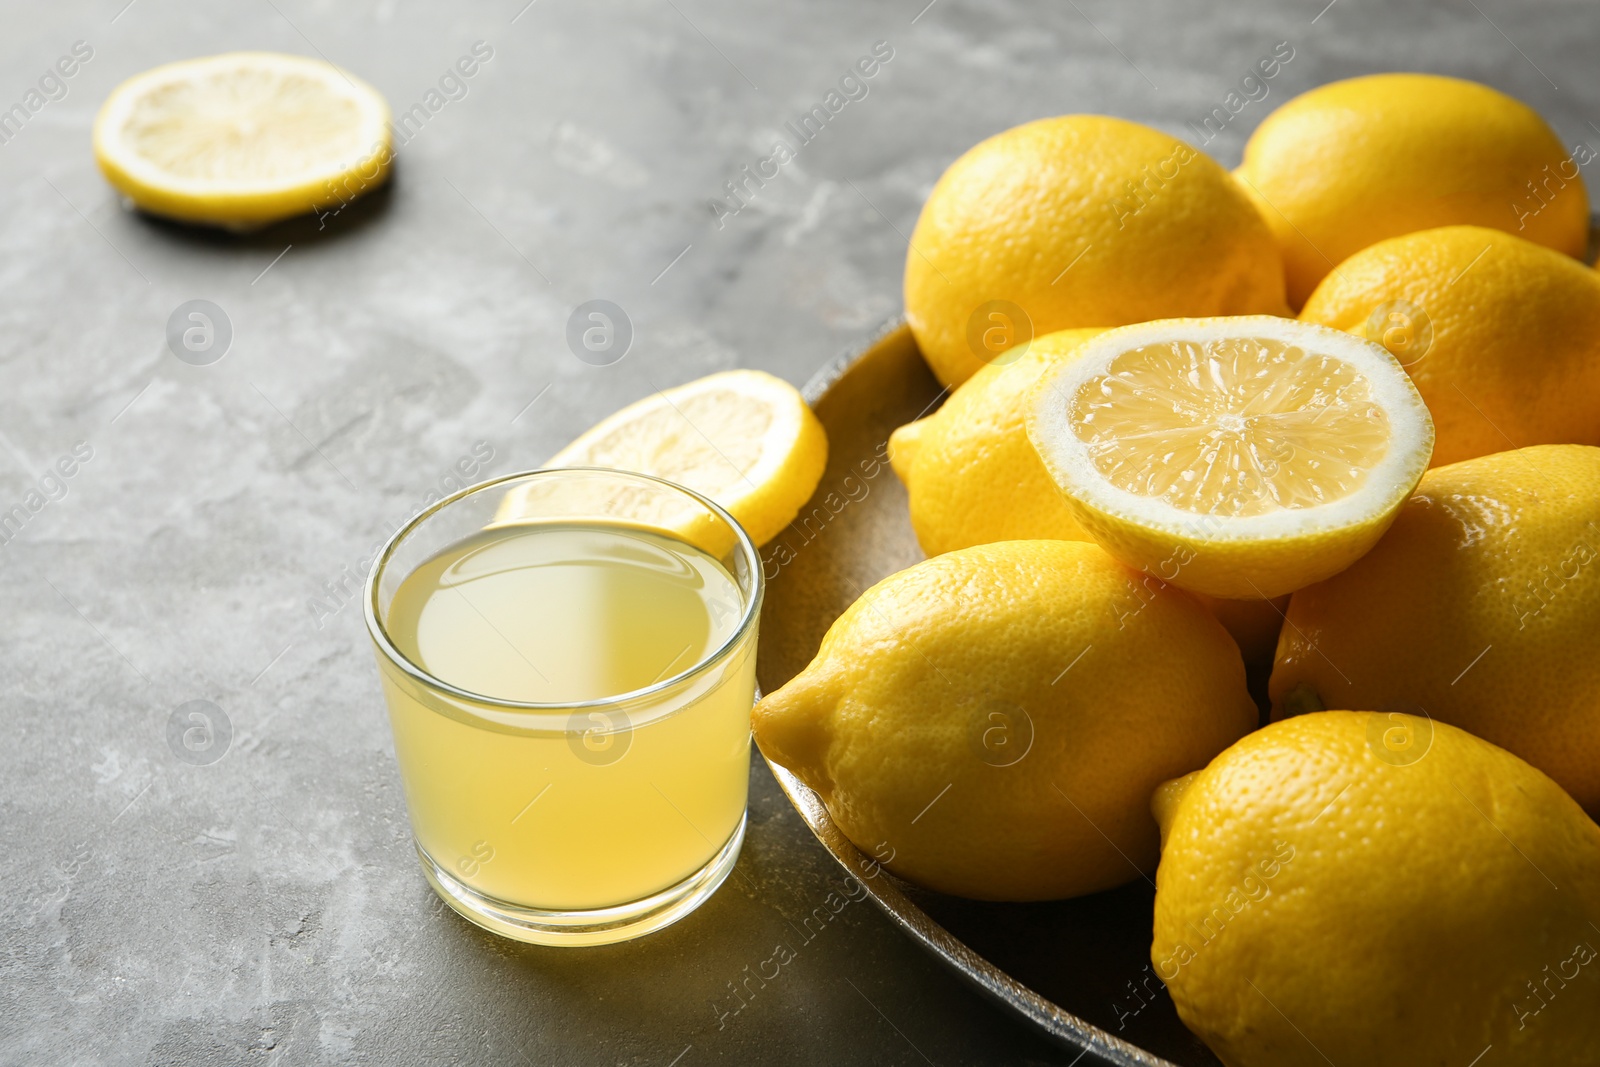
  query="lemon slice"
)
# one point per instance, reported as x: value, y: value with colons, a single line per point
x: 743, y: 438
x: 243, y: 139
x: 1237, y: 457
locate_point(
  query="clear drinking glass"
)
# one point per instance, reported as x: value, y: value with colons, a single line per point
x: 546, y: 807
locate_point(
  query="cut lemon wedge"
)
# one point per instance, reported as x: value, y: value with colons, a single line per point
x: 243, y: 139
x: 743, y: 438
x: 1237, y: 457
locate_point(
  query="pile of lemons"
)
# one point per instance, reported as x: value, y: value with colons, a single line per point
x: 1149, y: 465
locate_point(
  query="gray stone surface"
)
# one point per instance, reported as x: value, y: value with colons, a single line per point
x: 266, y: 907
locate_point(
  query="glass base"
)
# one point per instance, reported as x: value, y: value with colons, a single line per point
x: 598, y: 926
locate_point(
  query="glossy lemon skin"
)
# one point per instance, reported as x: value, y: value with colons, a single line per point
x: 1254, y: 625
x: 1075, y: 221
x: 1354, y: 162
x: 1500, y: 335
x: 990, y: 722
x: 970, y: 472
x: 1480, y: 607
x: 1350, y: 888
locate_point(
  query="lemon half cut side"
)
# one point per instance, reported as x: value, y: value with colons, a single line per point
x: 243, y: 139
x: 1238, y: 457
x: 744, y: 438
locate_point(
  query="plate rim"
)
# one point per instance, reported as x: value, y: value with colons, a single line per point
x: 881, y: 886
x: 885, y: 889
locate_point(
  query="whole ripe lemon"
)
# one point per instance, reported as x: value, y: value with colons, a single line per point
x: 969, y: 469
x: 991, y: 722
x: 1354, y: 888
x: 1354, y: 162
x: 1501, y: 336
x: 1081, y: 220
x: 1480, y: 607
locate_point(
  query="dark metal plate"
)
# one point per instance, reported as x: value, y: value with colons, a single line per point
x: 1077, y: 969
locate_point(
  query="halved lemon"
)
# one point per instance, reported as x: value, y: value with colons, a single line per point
x: 743, y: 438
x: 243, y: 139
x: 1238, y: 457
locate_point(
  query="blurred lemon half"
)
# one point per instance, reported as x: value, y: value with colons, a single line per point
x: 1237, y: 457
x: 743, y: 438
x: 243, y: 139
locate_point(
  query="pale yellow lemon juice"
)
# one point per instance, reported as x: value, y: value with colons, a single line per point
x: 570, y: 696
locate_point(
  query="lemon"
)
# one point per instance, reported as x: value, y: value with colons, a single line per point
x: 1501, y: 335
x: 990, y: 722
x: 743, y: 438
x: 243, y: 139
x: 1236, y: 457
x: 1081, y: 220
x: 1254, y: 625
x: 1361, y: 888
x: 1351, y: 163
x: 970, y: 472
x: 1480, y: 607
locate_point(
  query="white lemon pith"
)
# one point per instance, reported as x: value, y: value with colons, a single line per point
x: 243, y: 139
x: 744, y: 438
x: 1237, y: 457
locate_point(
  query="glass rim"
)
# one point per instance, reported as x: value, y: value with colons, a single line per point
x: 380, y: 635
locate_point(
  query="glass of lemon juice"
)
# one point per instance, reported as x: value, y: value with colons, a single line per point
x: 568, y: 658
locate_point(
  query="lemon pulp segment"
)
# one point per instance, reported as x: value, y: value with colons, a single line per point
x: 671, y: 441
x: 1231, y: 426
x: 744, y: 438
x: 245, y: 124
x: 1241, y: 457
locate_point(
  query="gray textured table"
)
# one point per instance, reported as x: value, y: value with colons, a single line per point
x: 266, y: 907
